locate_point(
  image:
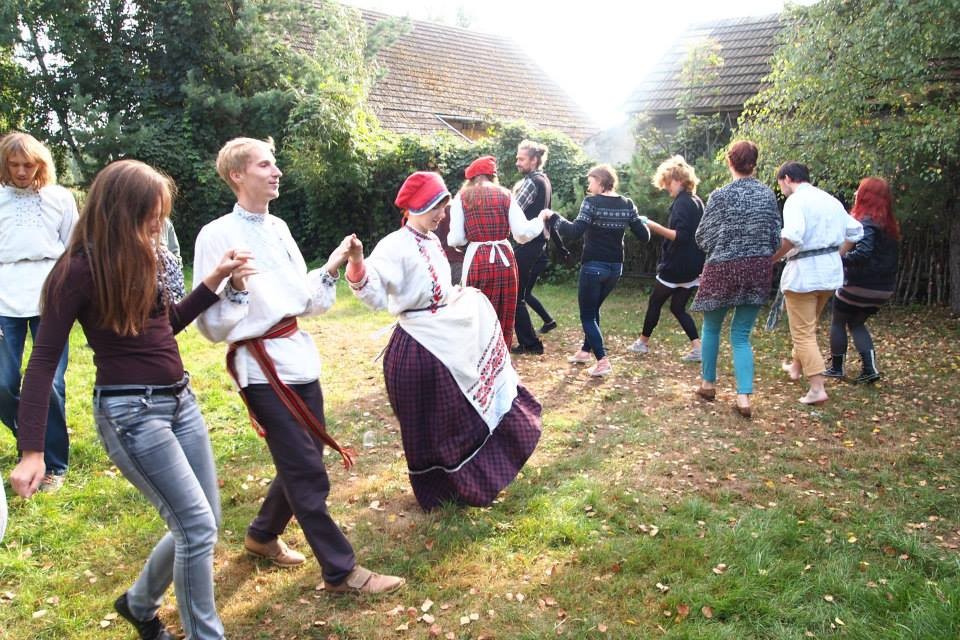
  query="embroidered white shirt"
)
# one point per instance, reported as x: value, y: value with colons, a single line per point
x: 281, y: 288
x: 408, y: 274
x: 406, y: 270
x: 35, y: 229
x: 813, y: 219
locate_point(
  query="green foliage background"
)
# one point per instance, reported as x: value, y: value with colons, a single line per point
x: 871, y: 87
x: 169, y: 81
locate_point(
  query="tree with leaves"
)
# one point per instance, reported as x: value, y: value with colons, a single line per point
x: 871, y: 87
x: 168, y: 81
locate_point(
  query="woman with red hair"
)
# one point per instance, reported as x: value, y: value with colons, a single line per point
x: 870, y: 276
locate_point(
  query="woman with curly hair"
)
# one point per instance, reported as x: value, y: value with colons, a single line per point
x: 681, y: 260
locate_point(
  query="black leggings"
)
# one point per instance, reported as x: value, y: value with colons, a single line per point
x: 845, y: 317
x: 678, y: 296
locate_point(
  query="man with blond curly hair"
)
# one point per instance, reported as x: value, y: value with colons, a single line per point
x: 36, y: 220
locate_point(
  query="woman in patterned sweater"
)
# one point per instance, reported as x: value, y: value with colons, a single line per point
x: 739, y: 232
x: 603, y: 220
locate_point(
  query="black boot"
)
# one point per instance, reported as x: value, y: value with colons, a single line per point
x: 869, y: 373
x: 836, y: 367
x: 146, y: 629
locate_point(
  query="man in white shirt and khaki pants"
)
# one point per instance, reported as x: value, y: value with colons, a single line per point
x: 815, y: 227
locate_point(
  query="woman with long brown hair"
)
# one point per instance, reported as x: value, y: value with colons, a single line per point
x: 115, y: 281
x: 870, y: 278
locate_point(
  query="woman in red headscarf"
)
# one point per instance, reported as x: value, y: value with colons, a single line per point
x: 468, y: 425
x: 481, y: 216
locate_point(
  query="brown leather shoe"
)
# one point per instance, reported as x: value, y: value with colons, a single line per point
x: 707, y: 394
x: 744, y: 411
x: 363, y: 580
x: 276, y: 551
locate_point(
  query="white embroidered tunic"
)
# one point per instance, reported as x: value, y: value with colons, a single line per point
x: 813, y: 219
x: 35, y: 229
x: 281, y: 288
x: 408, y: 274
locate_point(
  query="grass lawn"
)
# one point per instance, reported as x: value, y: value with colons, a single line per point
x: 644, y: 513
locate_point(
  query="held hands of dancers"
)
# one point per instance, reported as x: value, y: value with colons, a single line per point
x: 546, y: 215
x: 350, y: 248
x: 235, y: 264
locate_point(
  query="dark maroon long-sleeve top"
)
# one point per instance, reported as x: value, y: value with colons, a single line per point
x: 150, y: 358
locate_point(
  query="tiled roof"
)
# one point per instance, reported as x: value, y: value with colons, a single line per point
x: 437, y: 70
x: 745, y: 45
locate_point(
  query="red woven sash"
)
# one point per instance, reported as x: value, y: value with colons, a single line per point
x: 294, y: 403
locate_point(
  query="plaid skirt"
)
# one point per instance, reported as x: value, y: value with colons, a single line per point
x: 451, y: 454
x: 498, y: 283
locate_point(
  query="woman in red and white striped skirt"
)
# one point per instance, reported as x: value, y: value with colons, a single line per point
x: 481, y: 216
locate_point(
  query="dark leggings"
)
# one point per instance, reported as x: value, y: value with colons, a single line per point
x: 853, y: 318
x: 678, y: 297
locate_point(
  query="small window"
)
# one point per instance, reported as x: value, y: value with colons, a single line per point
x: 470, y: 128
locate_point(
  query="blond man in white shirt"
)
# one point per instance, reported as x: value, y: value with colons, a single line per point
x: 36, y: 220
x: 276, y: 365
x: 815, y: 226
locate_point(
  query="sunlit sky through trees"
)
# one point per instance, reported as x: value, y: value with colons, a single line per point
x: 596, y: 52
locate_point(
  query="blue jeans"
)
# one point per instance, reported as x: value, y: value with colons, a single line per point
x: 597, y: 280
x: 744, y: 317
x: 56, y: 453
x: 160, y: 444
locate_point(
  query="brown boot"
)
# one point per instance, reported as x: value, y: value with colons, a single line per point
x: 363, y: 580
x: 276, y: 551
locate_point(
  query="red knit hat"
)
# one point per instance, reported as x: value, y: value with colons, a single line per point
x: 482, y: 166
x: 421, y: 192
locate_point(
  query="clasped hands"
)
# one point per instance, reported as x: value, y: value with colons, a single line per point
x: 350, y: 249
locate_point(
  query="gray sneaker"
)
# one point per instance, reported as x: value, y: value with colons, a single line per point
x: 639, y: 347
x: 692, y: 356
x: 52, y: 482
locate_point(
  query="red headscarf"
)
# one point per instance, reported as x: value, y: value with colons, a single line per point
x: 482, y: 166
x: 421, y: 192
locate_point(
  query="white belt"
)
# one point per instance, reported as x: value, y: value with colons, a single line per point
x: 496, y: 250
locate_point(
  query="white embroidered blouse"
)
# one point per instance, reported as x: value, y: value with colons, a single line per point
x: 813, y: 219
x: 281, y: 288
x: 406, y: 271
x: 408, y: 274
x: 35, y: 229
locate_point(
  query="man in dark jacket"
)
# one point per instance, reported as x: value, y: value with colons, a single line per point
x: 533, y: 194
